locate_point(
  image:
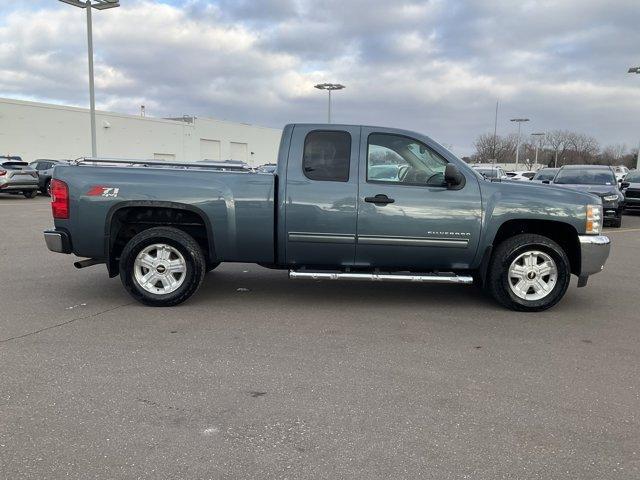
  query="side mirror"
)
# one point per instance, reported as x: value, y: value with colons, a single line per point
x: 546, y: 181
x: 452, y: 176
x: 624, y: 184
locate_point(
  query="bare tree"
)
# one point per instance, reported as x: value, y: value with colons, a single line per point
x: 499, y: 149
x: 613, y: 154
x: 558, y: 141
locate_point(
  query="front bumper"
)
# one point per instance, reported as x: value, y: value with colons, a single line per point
x: 594, y: 251
x: 57, y: 241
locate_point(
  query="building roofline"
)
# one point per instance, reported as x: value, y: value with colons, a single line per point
x: 104, y: 113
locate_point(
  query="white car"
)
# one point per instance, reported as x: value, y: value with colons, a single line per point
x: 521, y: 176
x: 490, y: 172
x: 621, y: 172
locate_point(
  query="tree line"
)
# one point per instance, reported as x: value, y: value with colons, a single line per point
x: 558, y: 147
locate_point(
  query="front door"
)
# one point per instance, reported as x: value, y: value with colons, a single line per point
x: 321, y: 196
x: 407, y: 217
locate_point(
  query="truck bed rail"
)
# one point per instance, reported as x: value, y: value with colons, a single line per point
x: 159, y: 163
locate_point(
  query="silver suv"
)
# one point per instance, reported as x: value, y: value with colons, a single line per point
x: 17, y: 177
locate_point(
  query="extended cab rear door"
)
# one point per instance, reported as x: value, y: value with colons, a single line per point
x: 321, y: 195
x: 407, y: 217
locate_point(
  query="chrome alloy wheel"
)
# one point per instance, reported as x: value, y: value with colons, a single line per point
x: 160, y: 269
x: 532, y: 275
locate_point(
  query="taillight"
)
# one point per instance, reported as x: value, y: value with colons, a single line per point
x: 2, y: 172
x: 59, y: 199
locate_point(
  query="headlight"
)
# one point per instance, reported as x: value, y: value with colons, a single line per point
x: 594, y: 219
x: 610, y: 198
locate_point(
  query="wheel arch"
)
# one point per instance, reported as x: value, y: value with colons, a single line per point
x: 154, y: 213
x: 560, y: 232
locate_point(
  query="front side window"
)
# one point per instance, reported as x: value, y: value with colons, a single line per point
x: 327, y: 155
x: 399, y: 159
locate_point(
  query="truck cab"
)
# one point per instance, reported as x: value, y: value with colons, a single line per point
x: 366, y: 197
x: 346, y: 202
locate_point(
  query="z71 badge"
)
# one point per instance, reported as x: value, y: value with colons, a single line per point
x: 102, y: 191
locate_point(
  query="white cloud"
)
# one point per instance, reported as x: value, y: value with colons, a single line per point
x: 433, y: 66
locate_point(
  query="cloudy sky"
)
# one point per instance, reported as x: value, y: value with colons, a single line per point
x: 435, y: 66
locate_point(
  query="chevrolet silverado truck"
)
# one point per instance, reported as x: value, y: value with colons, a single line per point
x: 344, y: 203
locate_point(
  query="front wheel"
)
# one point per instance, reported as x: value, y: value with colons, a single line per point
x: 162, y: 266
x: 529, y: 273
x: 30, y: 193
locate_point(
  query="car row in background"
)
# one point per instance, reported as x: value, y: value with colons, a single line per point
x: 600, y: 180
x: 17, y: 177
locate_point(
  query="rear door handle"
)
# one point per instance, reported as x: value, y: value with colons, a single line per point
x: 379, y: 199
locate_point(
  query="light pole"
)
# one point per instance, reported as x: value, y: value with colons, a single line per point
x: 519, y: 122
x: 329, y: 87
x: 88, y: 5
x: 636, y: 70
x: 539, y: 135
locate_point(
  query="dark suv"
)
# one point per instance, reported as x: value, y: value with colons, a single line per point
x: 599, y: 180
x: 44, y: 167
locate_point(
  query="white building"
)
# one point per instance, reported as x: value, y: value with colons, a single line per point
x: 39, y: 130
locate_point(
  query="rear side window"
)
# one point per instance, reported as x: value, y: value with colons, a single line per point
x: 327, y: 155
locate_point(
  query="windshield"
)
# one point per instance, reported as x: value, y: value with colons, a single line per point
x: 586, y: 176
x: 545, y: 174
x: 633, y: 177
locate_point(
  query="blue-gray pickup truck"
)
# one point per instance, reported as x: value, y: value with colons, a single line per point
x: 345, y: 203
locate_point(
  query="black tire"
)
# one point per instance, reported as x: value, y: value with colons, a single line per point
x: 505, y: 254
x: 47, y: 188
x: 181, y: 241
x: 30, y: 193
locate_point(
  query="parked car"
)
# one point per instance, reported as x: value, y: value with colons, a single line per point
x: 44, y: 167
x: 17, y: 177
x: 545, y: 175
x: 631, y: 190
x: 490, y: 172
x: 621, y: 172
x: 595, y: 179
x: 267, y: 168
x: 321, y: 216
x: 520, y: 176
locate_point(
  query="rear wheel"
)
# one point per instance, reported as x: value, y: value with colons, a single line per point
x: 47, y: 188
x: 162, y: 266
x: 30, y: 193
x: 528, y: 273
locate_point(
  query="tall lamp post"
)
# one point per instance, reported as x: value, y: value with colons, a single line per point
x: 519, y: 122
x: 636, y: 70
x: 539, y: 139
x: 88, y: 5
x: 329, y: 87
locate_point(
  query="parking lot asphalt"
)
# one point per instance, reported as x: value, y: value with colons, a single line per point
x: 310, y: 380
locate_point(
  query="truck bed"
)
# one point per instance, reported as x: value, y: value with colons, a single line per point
x: 238, y: 205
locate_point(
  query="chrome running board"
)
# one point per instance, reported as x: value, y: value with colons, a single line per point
x: 382, y: 277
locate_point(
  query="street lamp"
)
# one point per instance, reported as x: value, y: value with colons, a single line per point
x: 539, y: 135
x: 636, y: 70
x: 329, y: 87
x: 98, y: 5
x: 519, y: 122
